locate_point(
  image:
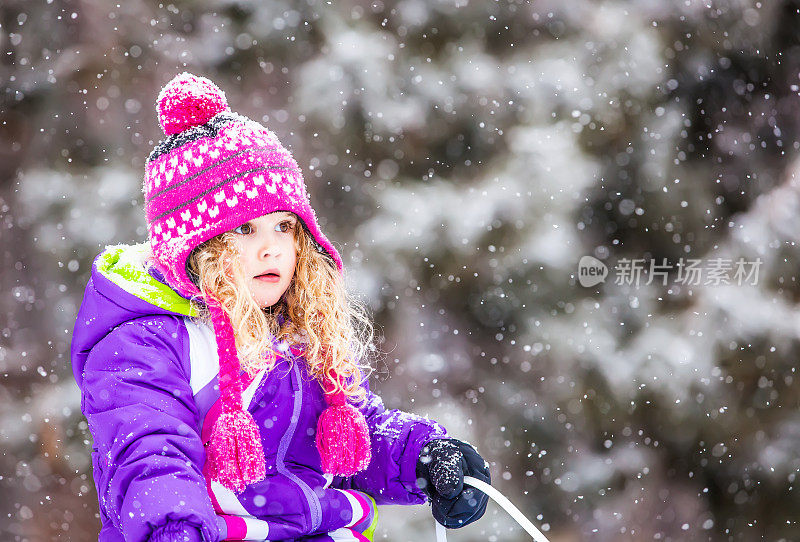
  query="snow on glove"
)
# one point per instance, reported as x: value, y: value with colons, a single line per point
x: 441, y: 468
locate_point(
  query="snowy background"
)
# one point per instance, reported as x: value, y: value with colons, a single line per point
x: 464, y: 156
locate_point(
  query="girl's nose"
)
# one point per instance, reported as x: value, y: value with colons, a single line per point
x: 269, y: 247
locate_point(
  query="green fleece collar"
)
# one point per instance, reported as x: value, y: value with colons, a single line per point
x: 124, y: 266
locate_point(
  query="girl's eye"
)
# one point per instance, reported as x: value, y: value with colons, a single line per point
x: 245, y: 225
x: 289, y: 225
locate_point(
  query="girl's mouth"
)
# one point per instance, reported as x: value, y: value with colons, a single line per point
x: 268, y: 277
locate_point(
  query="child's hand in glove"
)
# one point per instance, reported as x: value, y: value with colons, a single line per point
x: 441, y: 468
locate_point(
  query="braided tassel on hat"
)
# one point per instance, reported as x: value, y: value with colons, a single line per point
x: 342, y: 436
x: 235, y: 454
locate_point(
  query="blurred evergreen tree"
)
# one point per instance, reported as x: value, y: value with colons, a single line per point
x: 465, y: 156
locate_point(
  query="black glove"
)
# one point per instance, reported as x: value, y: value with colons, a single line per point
x: 441, y: 468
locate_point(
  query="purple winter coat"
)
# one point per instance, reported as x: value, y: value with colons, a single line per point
x: 148, y: 373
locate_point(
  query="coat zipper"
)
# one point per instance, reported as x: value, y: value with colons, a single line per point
x: 311, y: 497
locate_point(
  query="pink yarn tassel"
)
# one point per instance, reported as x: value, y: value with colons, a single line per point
x: 235, y: 453
x: 343, y: 438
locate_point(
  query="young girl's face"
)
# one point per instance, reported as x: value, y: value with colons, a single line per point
x: 268, y: 255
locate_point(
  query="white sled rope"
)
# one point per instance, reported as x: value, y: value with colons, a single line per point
x: 505, y: 504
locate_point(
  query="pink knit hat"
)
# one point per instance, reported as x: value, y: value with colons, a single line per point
x: 215, y: 171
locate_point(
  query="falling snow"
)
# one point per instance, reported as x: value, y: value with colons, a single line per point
x: 464, y: 156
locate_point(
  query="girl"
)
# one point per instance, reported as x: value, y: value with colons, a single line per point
x: 222, y: 364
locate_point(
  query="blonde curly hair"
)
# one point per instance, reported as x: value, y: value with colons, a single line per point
x: 333, y: 325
